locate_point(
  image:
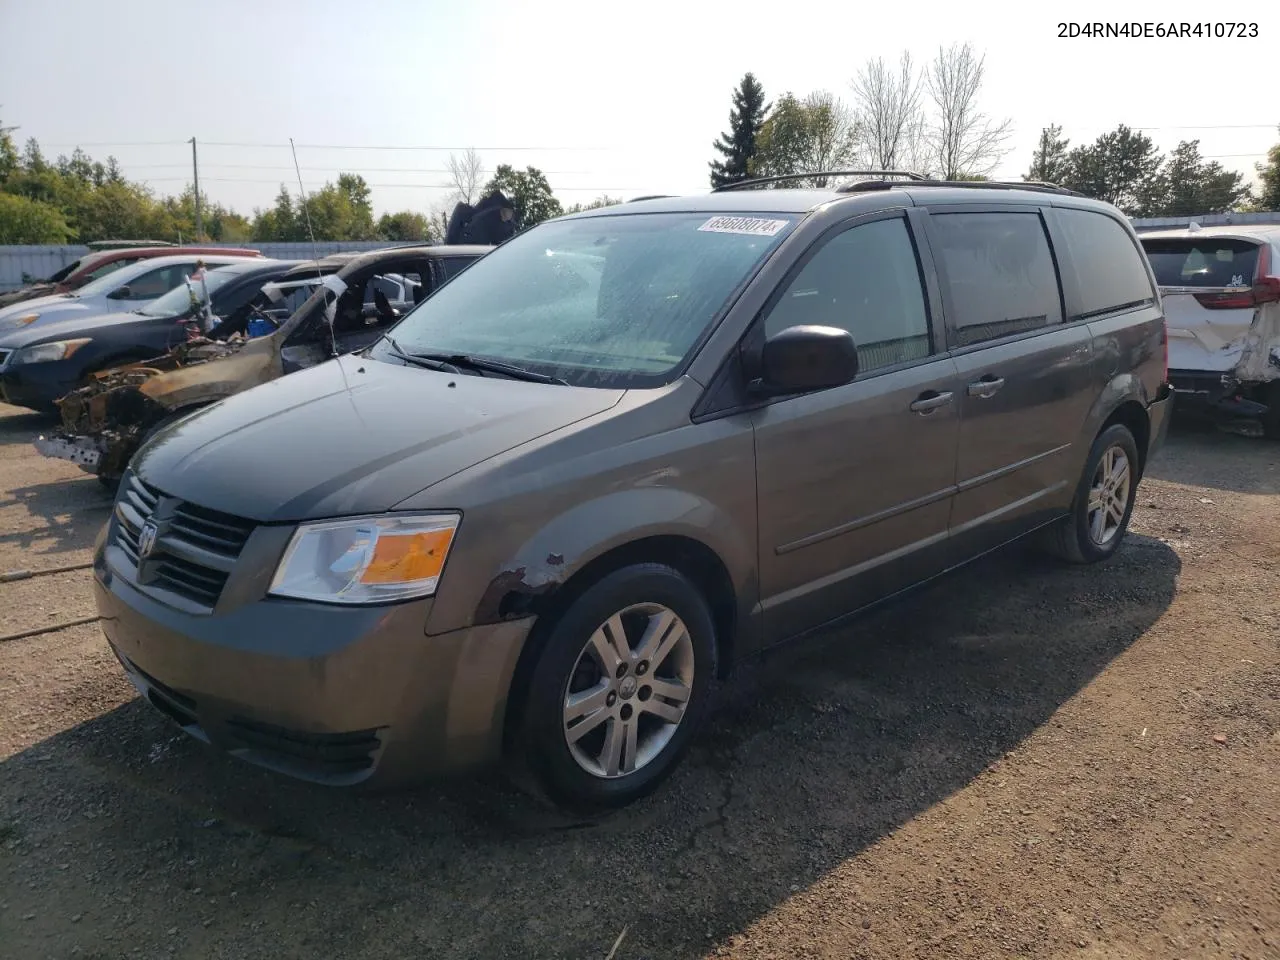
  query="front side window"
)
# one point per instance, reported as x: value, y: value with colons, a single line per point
x: 1001, y: 274
x: 177, y: 301
x: 613, y: 301
x: 156, y: 283
x: 865, y: 280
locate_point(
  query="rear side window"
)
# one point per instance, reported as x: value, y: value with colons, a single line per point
x: 1000, y: 272
x: 1207, y: 262
x: 451, y: 265
x: 1109, y: 268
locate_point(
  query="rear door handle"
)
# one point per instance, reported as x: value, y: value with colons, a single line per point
x: 987, y: 387
x: 930, y: 401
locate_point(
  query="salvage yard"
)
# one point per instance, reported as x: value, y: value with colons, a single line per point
x: 1025, y: 760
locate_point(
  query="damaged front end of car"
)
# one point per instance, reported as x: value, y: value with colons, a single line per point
x: 107, y: 420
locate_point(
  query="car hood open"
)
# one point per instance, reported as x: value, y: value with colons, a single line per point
x: 351, y: 436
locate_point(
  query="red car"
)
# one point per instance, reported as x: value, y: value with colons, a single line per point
x: 98, y: 263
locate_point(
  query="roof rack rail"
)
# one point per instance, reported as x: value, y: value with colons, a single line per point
x: 1034, y: 186
x: 757, y: 181
x: 651, y: 196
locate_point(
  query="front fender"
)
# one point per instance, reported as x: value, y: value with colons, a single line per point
x: 576, y: 537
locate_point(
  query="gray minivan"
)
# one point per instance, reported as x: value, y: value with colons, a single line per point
x: 627, y: 450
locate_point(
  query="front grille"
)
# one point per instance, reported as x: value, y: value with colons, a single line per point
x: 323, y: 755
x: 195, y: 548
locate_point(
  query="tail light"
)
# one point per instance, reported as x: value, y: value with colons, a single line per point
x: 1265, y: 289
x: 1164, y: 342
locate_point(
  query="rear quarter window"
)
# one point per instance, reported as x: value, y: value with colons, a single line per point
x: 1107, y: 263
x: 1202, y: 262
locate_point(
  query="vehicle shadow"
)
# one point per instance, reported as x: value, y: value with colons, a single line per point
x: 813, y: 757
x: 72, y: 513
x: 1198, y: 453
x: 23, y: 426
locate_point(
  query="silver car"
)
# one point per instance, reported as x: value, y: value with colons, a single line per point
x: 129, y: 288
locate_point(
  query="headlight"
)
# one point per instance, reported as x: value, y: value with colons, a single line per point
x: 47, y: 352
x: 366, y: 560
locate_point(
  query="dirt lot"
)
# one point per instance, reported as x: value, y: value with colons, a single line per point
x: 1024, y: 761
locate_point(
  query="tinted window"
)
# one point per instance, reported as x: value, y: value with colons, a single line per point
x: 156, y: 283
x: 1206, y: 262
x: 1001, y: 274
x: 867, y: 281
x: 1108, y: 266
x: 106, y: 268
x: 451, y: 265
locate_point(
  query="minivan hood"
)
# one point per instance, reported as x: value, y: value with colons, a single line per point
x: 351, y: 436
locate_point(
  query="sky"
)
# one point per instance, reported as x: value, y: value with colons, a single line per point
x: 618, y: 98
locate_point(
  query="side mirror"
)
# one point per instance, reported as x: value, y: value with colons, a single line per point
x: 800, y: 359
x: 120, y: 293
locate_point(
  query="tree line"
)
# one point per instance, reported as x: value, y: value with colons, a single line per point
x: 76, y: 199
x: 929, y: 120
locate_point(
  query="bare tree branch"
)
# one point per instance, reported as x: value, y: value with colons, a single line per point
x: 832, y: 142
x: 964, y: 140
x: 888, y: 113
x: 466, y: 174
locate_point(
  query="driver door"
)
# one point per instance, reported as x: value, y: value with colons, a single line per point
x: 855, y: 483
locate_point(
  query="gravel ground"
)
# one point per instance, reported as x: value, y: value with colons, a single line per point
x: 1024, y: 760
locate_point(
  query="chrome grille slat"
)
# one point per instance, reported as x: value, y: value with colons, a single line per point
x: 195, y: 552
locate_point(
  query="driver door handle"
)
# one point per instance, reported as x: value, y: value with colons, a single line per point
x: 930, y: 401
x: 987, y: 387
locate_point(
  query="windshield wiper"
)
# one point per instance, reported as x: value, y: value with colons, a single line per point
x: 483, y: 364
x: 460, y: 361
x: 430, y: 363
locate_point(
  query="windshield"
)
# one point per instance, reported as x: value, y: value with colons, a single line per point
x: 1202, y: 262
x: 613, y: 301
x: 178, y: 300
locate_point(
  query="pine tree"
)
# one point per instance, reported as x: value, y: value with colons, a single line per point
x: 1269, y: 180
x: 738, y: 145
x: 1050, y: 163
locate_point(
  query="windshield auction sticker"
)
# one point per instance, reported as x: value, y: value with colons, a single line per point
x: 751, y: 226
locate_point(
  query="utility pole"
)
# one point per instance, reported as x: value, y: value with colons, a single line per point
x: 195, y: 173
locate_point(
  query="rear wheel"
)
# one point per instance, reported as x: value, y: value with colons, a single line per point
x: 619, y: 689
x: 1103, y: 502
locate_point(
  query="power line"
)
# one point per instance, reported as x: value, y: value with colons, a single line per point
x: 320, y: 183
x: 362, y: 168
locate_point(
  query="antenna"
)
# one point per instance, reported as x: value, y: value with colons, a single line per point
x: 315, y: 257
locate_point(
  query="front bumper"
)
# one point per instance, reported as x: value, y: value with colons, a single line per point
x: 37, y: 386
x: 325, y: 693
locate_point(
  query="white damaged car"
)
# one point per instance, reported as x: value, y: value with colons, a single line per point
x: 1221, y: 293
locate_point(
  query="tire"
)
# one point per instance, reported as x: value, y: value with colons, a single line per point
x: 1081, y: 537
x: 649, y: 729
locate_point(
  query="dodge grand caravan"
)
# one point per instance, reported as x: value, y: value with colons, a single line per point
x: 556, y: 503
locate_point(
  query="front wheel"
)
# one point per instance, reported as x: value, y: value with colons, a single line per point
x: 1103, y: 502
x: 620, y: 687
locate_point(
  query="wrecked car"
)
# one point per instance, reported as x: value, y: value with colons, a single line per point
x: 42, y: 363
x: 345, y: 307
x: 1221, y: 293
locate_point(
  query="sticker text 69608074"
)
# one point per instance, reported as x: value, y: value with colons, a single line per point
x: 752, y: 226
